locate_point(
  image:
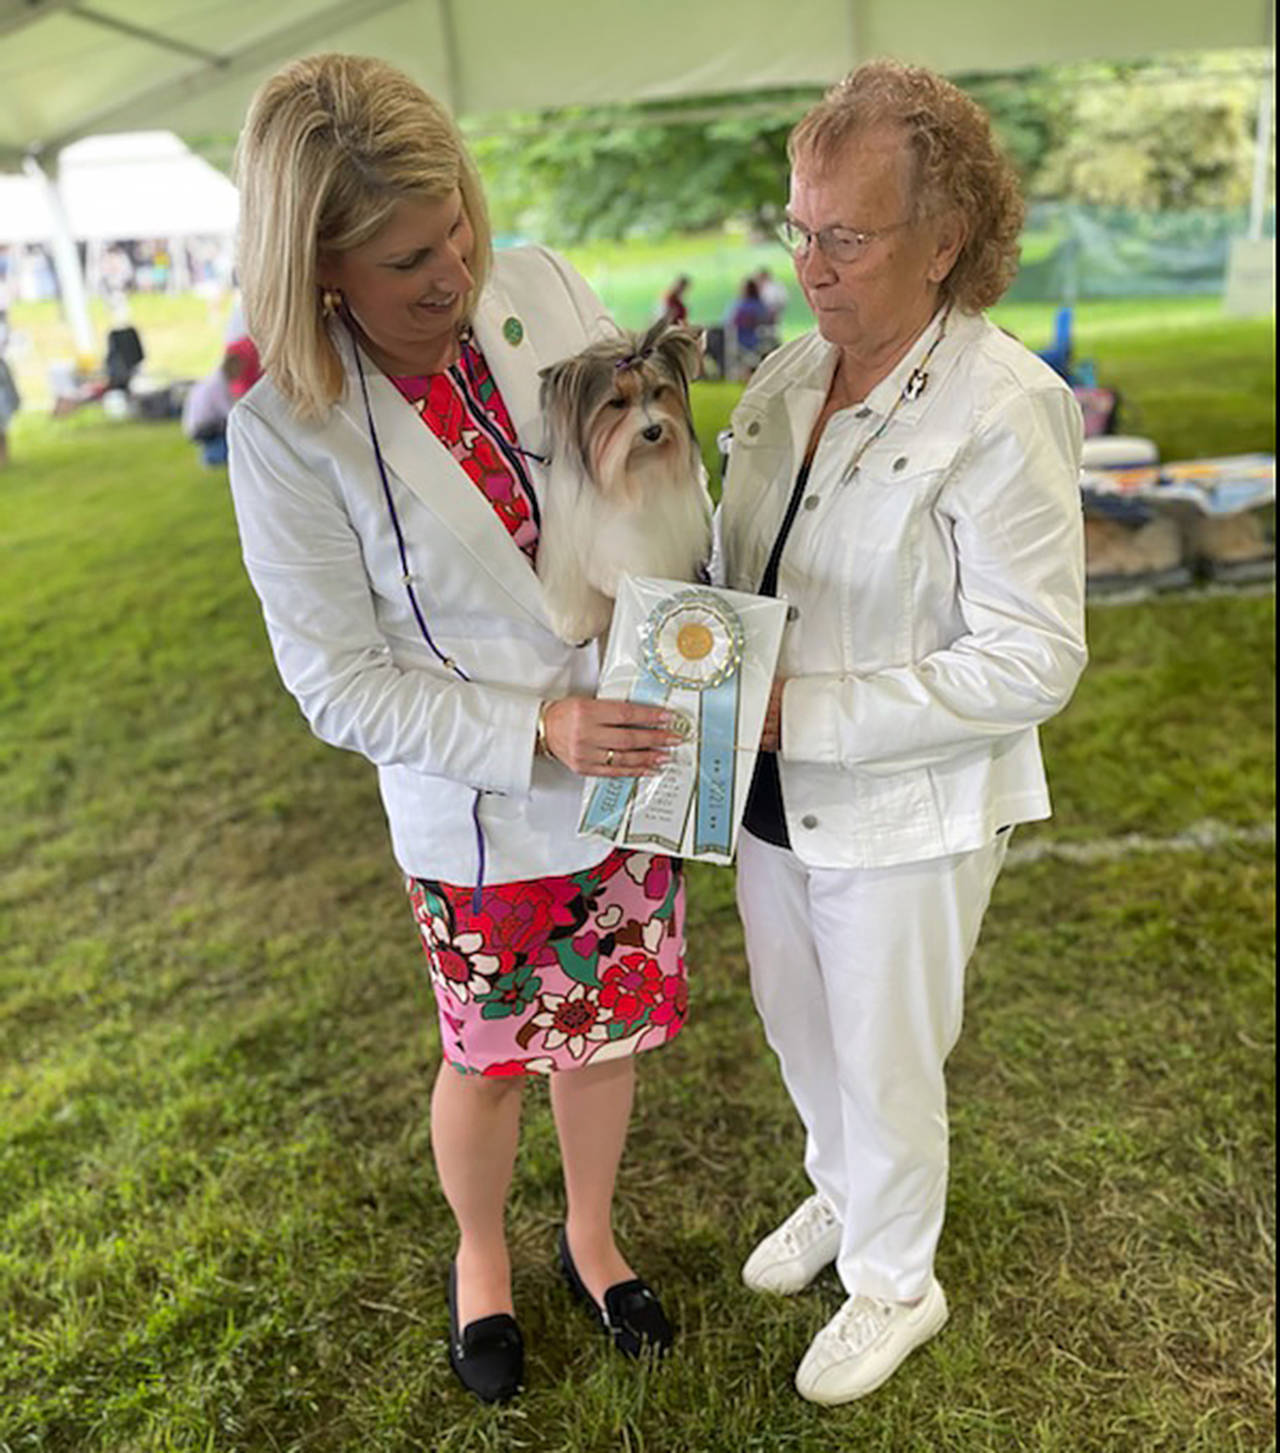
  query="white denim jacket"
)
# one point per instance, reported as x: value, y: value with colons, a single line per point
x: 936, y: 598
x: 321, y: 550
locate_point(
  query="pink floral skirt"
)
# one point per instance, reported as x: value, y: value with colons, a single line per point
x: 556, y: 973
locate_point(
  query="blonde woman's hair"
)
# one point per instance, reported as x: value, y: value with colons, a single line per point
x: 330, y: 144
x: 958, y: 166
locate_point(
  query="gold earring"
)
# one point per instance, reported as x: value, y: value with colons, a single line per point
x: 330, y: 301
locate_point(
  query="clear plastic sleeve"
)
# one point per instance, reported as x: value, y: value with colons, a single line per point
x: 708, y: 655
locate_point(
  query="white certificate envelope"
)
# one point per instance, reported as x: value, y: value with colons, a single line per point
x: 707, y: 655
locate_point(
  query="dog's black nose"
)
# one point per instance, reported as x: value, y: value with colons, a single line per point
x: 653, y: 433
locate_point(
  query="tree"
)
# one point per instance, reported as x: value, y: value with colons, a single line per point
x: 611, y: 172
x: 1030, y: 113
x: 620, y: 170
x: 1154, y: 135
x: 1158, y: 138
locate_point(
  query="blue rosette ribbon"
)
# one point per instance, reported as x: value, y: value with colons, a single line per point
x: 691, y: 648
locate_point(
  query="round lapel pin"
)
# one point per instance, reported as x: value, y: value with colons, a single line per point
x: 513, y: 331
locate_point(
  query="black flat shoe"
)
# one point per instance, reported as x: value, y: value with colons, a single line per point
x: 632, y: 1315
x: 488, y: 1354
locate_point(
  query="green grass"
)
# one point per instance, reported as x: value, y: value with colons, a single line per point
x: 182, y: 337
x: 221, y: 1230
x: 1198, y: 386
x: 1164, y: 732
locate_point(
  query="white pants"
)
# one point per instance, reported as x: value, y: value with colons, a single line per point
x: 858, y: 975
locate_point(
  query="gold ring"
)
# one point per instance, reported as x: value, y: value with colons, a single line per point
x: 608, y: 758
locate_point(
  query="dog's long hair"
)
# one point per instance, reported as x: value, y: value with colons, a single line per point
x: 624, y: 402
x: 626, y: 491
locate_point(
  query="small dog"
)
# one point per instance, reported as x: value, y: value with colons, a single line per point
x: 626, y: 492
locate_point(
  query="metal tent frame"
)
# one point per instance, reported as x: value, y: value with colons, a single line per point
x: 69, y: 69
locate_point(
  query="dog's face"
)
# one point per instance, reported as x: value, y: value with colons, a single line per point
x: 621, y: 408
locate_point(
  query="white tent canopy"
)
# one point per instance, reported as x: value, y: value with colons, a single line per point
x: 69, y: 69
x: 139, y: 184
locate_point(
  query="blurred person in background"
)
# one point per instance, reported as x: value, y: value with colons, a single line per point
x: 208, y: 405
x: 386, y: 482
x: 746, y: 320
x: 773, y: 295
x: 674, y: 308
x: 247, y: 369
x: 10, y: 400
x: 906, y: 477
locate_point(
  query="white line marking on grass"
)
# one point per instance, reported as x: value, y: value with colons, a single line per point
x: 1140, y: 594
x: 1199, y: 837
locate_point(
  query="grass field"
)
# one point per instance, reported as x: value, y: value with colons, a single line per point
x: 221, y: 1231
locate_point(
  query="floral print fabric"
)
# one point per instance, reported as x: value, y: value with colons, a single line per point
x: 550, y: 973
x: 464, y: 410
x: 555, y: 973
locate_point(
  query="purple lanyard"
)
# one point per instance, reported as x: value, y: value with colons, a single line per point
x: 406, y: 576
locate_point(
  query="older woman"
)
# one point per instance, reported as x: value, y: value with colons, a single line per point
x: 386, y: 484
x: 906, y: 477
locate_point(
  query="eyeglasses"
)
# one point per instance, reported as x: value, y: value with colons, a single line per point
x: 840, y: 244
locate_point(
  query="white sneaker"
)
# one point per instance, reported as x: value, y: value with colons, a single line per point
x: 863, y: 1344
x: 788, y: 1259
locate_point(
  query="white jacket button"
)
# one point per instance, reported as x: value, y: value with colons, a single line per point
x: 811, y: 502
x: 900, y: 463
x: 752, y: 430
x: 863, y: 413
x: 793, y: 612
x: 808, y: 820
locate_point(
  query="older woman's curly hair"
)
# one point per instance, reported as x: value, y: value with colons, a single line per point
x: 958, y: 165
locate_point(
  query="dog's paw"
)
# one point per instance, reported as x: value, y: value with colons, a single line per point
x: 577, y: 627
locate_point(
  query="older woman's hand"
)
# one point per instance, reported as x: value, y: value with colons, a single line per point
x: 601, y: 738
x: 771, y: 732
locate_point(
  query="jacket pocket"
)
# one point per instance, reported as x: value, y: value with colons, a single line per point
x: 910, y: 461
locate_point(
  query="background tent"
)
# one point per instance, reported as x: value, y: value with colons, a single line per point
x: 139, y: 184
x: 70, y: 69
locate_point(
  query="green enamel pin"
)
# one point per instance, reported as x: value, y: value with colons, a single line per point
x: 513, y: 331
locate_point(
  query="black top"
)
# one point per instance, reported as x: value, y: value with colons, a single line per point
x: 764, y: 816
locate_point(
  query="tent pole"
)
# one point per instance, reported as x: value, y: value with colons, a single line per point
x: 1261, y: 157
x: 66, y: 261
x: 179, y: 272
x: 453, y: 98
x: 856, y: 57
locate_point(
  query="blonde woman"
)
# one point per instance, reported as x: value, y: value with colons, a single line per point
x: 386, y: 479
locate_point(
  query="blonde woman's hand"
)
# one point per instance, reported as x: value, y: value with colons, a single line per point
x: 608, y: 738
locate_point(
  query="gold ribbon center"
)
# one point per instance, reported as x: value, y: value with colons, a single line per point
x: 694, y: 641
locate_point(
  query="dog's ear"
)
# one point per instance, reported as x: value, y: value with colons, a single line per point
x: 649, y: 340
x: 557, y: 380
x: 684, y: 349
x: 553, y: 394
x: 560, y: 399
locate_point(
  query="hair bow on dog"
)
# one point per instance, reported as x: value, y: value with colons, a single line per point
x: 633, y: 360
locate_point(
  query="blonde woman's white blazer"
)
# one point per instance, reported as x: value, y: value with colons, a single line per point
x: 320, y: 548
x: 936, y: 598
